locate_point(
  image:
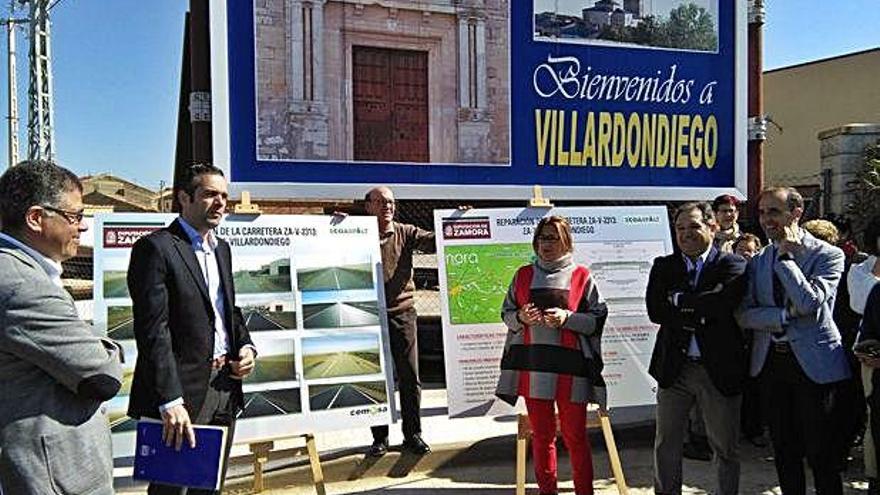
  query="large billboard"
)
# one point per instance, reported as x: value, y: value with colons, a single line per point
x: 591, y: 99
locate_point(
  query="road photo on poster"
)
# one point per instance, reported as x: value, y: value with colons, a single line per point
x: 331, y: 356
x: 343, y: 395
x: 276, y: 361
x: 272, y: 313
x: 339, y: 277
x: 120, y: 323
x: 339, y: 309
x: 257, y: 275
x: 271, y: 403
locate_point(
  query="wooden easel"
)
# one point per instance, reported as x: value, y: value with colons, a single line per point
x: 261, y: 450
x: 595, y: 418
x: 245, y: 207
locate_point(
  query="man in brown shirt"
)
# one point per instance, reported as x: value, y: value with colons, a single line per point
x: 397, y: 242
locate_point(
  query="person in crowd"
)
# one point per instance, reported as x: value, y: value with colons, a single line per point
x: 797, y: 352
x: 851, y: 407
x: 870, y: 360
x: 700, y: 353
x: 726, y: 208
x: 555, y: 317
x: 751, y: 414
x: 56, y: 372
x: 747, y: 246
x: 862, y: 279
x: 397, y: 242
x: 193, y: 346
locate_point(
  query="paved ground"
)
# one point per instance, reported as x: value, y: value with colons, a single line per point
x: 477, y: 457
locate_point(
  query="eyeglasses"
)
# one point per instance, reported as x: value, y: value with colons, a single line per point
x: 72, y: 217
x: 548, y: 238
x: 384, y: 202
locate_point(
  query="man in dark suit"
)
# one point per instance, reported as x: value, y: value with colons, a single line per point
x: 797, y: 353
x: 193, y: 348
x: 700, y: 353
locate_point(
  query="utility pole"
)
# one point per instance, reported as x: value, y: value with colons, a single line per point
x: 757, y: 120
x: 12, y: 86
x: 41, y: 135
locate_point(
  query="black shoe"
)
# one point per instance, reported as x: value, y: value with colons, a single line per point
x: 757, y: 441
x: 696, y: 452
x: 416, y: 445
x: 378, y: 449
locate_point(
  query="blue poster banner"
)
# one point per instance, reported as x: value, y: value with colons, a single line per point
x: 591, y: 99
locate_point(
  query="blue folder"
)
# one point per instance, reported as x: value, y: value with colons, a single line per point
x: 199, y: 467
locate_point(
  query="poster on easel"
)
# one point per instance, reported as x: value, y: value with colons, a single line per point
x: 311, y: 293
x: 479, y: 251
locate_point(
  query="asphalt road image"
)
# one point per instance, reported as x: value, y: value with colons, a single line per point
x: 115, y: 283
x: 340, y: 314
x: 346, y: 395
x: 261, y: 320
x: 358, y: 276
x: 273, y: 368
x: 341, y: 364
x: 120, y: 323
x: 270, y: 403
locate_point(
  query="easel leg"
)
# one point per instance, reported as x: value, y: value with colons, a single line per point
x: 315, y: 462
x: 613, y: 456
x: 261, y: 455
x: 522, y: 440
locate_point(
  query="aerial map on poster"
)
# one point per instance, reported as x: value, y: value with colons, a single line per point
x: 480, y: 250
x: 307, y: 287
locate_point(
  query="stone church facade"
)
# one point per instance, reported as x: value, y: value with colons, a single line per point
x: 383, y: 80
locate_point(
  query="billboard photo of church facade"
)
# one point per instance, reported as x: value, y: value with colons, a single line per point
x: 675, y: 24
x: 407, y: 82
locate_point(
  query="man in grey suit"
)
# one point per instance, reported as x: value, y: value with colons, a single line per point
x: 796, y: 352
x: 53, y: 434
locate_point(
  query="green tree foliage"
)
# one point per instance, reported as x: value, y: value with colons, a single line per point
x: 865, y: 190
x: 689, y: 27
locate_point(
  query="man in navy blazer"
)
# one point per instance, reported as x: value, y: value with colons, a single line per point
x: 193, y: 346
x: 797, y: 352
x: 700, y: 354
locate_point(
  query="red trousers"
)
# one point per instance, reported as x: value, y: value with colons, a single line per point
x: 573, y: 420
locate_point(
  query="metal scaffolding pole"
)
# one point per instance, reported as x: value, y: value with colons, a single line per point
x: 41, y: 138
x: 12, y: 85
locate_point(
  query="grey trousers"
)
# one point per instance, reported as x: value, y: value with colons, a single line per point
x: 721, y: 417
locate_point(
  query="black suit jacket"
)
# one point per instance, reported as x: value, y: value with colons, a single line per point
x: 706, y: 311
x: 174, y: 322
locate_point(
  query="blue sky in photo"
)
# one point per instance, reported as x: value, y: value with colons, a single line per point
x: 340, y: 342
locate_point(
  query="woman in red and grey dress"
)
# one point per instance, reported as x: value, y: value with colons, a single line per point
x: 552, y: 355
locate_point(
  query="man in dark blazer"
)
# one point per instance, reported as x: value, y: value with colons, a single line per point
x: 55, y: 372
x: 797, y: 353
x: 193, y: 346
x: 700, y: 353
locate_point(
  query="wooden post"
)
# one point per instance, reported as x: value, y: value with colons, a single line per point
x: 261, y: 455
x: 315, y: 462
x: 524, y: 432
x: 522, y: 440
x: 538, y: 200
